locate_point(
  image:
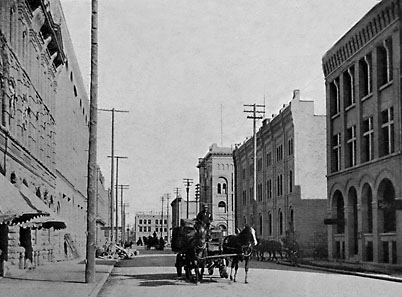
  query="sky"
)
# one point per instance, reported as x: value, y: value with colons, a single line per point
x: 183, y: 69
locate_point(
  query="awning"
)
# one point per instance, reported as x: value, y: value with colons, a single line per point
x: 51, y: 220
x: 13, y: 207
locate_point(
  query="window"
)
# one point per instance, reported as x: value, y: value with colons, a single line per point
x: 260, y: 223
x: 269, y: 159
x: 365, y: 75
x: 219, y: 189
x: 336, y: 152
x: 140, y: 221
x: 279, y: 182
x: 269, y: 189
x: 334, y: 97
x: 280, y: 217
x: 149, y: 222
x: 279, y: 153
x: 251, y: 193
x: 270, y: 223
x: 224, y: 188
x: 149, y: 229
x: 384, y: 62
x: 244, y: 197
x: 251, y: 170
x: 290, y: 146
x: 259, y: 188
x: 222, y: 206
x: 290, y: 181
x: 368, y: 142
x: 165, y: 222
x: 351, y: 146
x: 259, y: 164
x: 140, y: 228
x: 348, y: 87
x: 156, y: 222
x: 387, y: 131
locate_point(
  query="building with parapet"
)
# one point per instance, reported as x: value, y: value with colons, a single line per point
x: 291, y: 184
x: 216, y: 179
x: 363, y: 96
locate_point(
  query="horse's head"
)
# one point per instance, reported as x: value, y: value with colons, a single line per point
x: 249, y: 232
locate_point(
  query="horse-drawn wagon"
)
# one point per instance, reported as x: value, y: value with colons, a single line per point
x: 199, y: 249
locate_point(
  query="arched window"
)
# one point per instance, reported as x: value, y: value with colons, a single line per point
x: 224, y: 188
x: 13, y: 178
x: 270, y: 223
x: 260, y: 225
x: 219, y: 188
x: 280, y: 218
x: 222, y: 206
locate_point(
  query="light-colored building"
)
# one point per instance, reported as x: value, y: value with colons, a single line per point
x: 148, y: 223
x: 43, y: 136
x: 363, y: 86
x: 216, y: 179
x: 291, y: 184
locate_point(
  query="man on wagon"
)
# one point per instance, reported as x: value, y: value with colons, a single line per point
x: 205, y: 217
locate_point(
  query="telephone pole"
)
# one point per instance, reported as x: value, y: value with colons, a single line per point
x: 117, y: 193
x: 163, y: 199
x: 93, y: 122
x: 122, y: 187
x: 167, y: 215
x: 255, y: 115
x: 197, y: 196
x: 187, y: 183
x: 113, y: 110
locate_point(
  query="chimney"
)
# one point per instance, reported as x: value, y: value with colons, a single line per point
x: 296, y: 94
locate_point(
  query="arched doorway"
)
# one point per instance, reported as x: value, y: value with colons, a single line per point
x: 338, y: 209
x: 367, y: 222
x: 352, y: 219
x: 387, y: 222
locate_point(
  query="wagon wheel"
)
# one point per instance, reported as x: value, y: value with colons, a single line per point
x: 179, y: 265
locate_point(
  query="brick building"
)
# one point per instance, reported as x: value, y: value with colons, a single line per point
x: 291, y: 184
x: 43, y: 136
x: 363, y: 95
x: 216, y: 176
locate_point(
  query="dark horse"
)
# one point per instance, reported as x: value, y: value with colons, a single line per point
x: 194, y: 252
x: 240, y: 244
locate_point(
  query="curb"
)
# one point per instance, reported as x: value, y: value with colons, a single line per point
x: 346, y: 272
x: 99, y: 285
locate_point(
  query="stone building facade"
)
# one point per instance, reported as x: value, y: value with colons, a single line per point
x: 291, y: 184
x: 363, y: 96
x: 216, y: 179
x: 43, y: 133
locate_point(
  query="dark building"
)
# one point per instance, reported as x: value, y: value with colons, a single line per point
x: 363, y: 96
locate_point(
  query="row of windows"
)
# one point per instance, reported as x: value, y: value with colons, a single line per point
x: 148, y: 229
x: 279, y: 157
x: 281, y: 227
x: 269, y: 189
x: 365, y: 73
x: 149, y: 222
x: 386, y: 141
x: 225, y: 166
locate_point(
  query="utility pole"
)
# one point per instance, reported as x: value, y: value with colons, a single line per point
x: 113, y: 110
x: 125, y: 187
x: 163, y: 199
x: 197, y: 196
x: 93, y: 122
x: 123, y: 222
x: 167, y: 216
x: 117, y: 193
x: 180, y: 210
x: 255, y: 116
x: 187, y: 183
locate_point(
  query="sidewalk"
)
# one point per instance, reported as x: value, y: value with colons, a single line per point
x: 369, y: 270
x: 61, y: 279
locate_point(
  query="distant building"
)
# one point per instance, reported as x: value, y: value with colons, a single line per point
x: 363, y: 87
x: 216, y: 179
x: 179, y: 210
x: 146, y: 223
x: 291, y: 184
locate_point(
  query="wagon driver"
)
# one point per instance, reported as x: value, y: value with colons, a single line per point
x: 205, y: 217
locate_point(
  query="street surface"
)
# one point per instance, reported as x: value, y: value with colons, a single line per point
x: 153, y: 274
